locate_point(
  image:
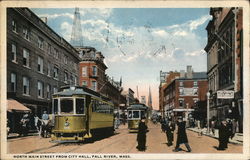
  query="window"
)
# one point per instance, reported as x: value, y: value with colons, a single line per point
x: 65, y: 59
x: 181, y: 84
x: 26, y: 33
x: 56, y: 70
x: 56, y: 54
x: 26, y: 58
x: 84, y: 71
x: 67, y: 106
x: 181, y: 103
x: 40, y: 42
x: 94, y: 86
x: 75, y: 80
x: 94, y: 69
x: 84, y: 83
x: 40, y: 64
x: 48, y: 91
x: 66, y: 77
x: 26, y: 86
x: 195, y: 83
x: 80, y: 106
x: 14, y: 26
x: 13, y: 52
x: 55, y: 106
x: 129, y: 114
x: 40, y: 89
x: 13, y: 82
x: 136, y: 114
x: 181, y: 91
x: 49, y: 69
x: 49, y: 49
x: 195, y: 91
x: 55, y: 90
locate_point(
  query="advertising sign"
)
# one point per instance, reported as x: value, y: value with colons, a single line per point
x: 225, y: 94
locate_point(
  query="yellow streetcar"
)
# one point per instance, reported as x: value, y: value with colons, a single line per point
x: 80, y: 113
x: 135, y: 113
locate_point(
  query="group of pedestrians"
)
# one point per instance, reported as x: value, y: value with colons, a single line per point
x: 226, y: 131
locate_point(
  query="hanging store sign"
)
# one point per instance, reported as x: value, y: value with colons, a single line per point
x: 226, y: 94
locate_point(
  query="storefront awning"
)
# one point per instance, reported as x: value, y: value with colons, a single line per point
x: 14, y: 105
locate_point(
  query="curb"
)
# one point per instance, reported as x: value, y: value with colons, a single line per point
x: 237, y: 143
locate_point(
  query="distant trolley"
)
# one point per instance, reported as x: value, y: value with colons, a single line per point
x: 135, y: 113
x: 80, y: 113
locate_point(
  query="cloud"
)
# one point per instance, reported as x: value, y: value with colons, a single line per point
x: 180, y: 33
x: 196, y: 23
x: 54, y: 16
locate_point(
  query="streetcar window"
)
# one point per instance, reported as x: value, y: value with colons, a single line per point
x: 55, y: 106
x: 129, y: 114
x: 142, y: 114
x: 80, y: 106
x: 67, y: 106
x: 136, y: 114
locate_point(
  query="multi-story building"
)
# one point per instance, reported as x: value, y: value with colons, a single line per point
x: 39, y: 61
x: 92, y: 75
x: 224, y: 52
x: 129, y: 94
x: 143, y: 99
x: 183, y: 93
x: 168, y: 78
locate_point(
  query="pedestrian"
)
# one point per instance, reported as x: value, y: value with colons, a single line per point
x: 169, y: 128
x: 223, y: 135
x: 181, y: 136
x: 141, y: 135
x: 213, y: 127
x: 37, y: 124
x: 163, y: 125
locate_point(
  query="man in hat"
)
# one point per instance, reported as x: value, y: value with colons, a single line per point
x: 181, y: 136
x: 141, y: 135
x: 169, y: 128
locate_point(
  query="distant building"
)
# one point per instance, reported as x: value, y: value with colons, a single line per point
x: 129, y: 94
x: 184, y: 93
x: 225, y: 62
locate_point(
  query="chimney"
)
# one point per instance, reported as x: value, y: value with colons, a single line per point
x: 182, y: 74
x: 189, y: 72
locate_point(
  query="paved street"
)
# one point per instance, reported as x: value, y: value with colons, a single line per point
x: 121, y: 142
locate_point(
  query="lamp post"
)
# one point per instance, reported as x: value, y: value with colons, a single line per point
x: 208, y: 96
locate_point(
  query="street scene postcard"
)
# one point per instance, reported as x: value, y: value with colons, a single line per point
x: 125, y: 80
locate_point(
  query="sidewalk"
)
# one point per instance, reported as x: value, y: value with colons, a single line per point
x: 237, y: 139
x: 16, y: 135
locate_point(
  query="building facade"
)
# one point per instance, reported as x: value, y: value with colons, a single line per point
x: 169, y: 77
x: 224, y: 51
x: 39, y: 61
x: 184, y: 93
x: 92, y: 75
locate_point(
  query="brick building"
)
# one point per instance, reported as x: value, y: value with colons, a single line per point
x: 168, y: 78
x: 39, y: 61
x: 92, y: 75
x: 185, y: 93
x: 225, y: 68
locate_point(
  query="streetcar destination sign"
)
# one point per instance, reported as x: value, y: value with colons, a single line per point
x: 226, y: 94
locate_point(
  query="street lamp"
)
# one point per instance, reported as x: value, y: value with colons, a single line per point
x: 208, y: 95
